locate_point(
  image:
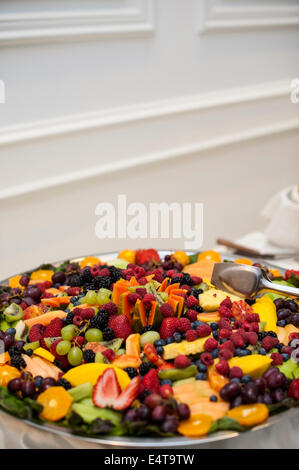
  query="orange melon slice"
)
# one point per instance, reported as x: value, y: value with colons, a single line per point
x: 46, y: 318
x: 203, y: 268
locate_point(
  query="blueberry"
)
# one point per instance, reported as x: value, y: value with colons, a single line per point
x: 201, y: 376
x: 198, y: 323
x: 73, y: 300
x: 236, y: 380
x: 281, y: 323
x: 177, y: 337
x: 213, y: 398
x: 285, y: 357
x: 214, y: 326
x: 262, y: 351
x: 192, y: 324
x: 159, y: 342
x: 76, y: 303
x: 38, y: 381
x: 247, y: 352
x: 238, y: 352
x: 10, y: 331
x: 215, y: 353
x: 166, y: 382
x: 223, y: 340
x: 159, y: 350
x: 202, y: 368
x: 215, y: 335
x: 169, y: 340
x: 246, y: 379
x: 29, y: 352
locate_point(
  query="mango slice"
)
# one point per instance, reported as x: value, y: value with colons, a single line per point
x: 90, y: 372
x: 254, y: 365
x: 266, y: 309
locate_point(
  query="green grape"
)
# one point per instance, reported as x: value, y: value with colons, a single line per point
x: 99, y: 357
x: 82, y: 300
x: 149, y: 337
x: 104, y: 296
x: 93, y: 334
x: 91, y: 297
x: 63, y: 347
x: 68, y: 332
x: 75, y: 356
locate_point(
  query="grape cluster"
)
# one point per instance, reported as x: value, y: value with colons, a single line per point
x: 287, y: 312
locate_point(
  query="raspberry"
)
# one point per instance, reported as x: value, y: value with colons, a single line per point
x: 228, y: 345
x: 110, y: 307
x: 277, y: 359
x: 167, y: 310
x: 191, y: 315
x: 87, y: 313
x: 196, y: 280
x: 151, y: 382
x: 54, y: 328
x: 224, y: 323
x: 293, y: 335
x: 23, y: 305
x: 253, y: 317
x: 287, y: 350
x: 132, y: 298
x: 203, y: 330
x: 104, y: 272
x: 207, y: 359
x: 268, y: 343
x: 186, y: 287
x: 168, y: 327
x: 222, y: 367
x: 166, y: 391
x: 191, y: 335
x: 235, y: 372
x: 36, y: 332
x: 183, y: 325
x: 237, y: 340
x: 252, y: 338
x: 77, y: 320
x: 141, y: 291
x: 191, y: 301
x: 148, y: 299
x: 226, y: 354
x: 109, y: 354
x: 121, y: 326
x: 225, y: 333
x: 142, y: 281
x: 224, y: 312
x: 78, y: 341
x: 210, y: 344
x: 254, y: 327
x: 181, y: 362
x: 77, y: 311
x: 226, y: 303
x: 73, y: 291
x: 294, y: 389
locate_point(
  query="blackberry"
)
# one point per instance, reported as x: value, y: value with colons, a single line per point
x: 197, y: 308
x: 115, y: 274
x: 131, y: 371
x: 64, y: 383
x: 145, y: 367
x: 272, y: 334
x: 17, y: 361
x: 175, y: 280
x: 108, y: 334
x: 101, y: 282
x: 89, y: 355
x: 15, y: 351
x: 86, y: 276
x: 100, y: 321
x: 74, y: 280
x: 144, y: 329
x: 68, y: 320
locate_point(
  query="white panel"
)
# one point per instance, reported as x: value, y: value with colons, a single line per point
x: 238, y: 14
x: 69, y: 19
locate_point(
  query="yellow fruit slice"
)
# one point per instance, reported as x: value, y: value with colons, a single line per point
x: 196, y: 425
x: 14, y: 282
x: 266, y: 309
x: 90, y: 373
x: 56, y: 403
x: 42, y: 275
x: 211, y: 299
x: 254, y: 365
x: 249, y: 415
x: 173, y: 350
x: 41, y: 352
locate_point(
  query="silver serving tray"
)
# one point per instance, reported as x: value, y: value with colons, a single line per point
x: 279, y: 431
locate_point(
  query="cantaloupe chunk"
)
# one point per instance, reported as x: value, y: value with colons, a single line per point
x: 46, y: 318
x: 38, y: 366
x: 283, y: 333
x: 125, y: 360
x: 216, y: 410
x: 203, y: 268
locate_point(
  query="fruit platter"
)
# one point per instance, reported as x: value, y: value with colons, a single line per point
x: 138, y: 348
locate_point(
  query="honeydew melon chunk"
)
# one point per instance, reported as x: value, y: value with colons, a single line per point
x: 89, y: 412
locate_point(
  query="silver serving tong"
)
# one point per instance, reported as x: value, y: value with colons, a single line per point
x: 247, y: 281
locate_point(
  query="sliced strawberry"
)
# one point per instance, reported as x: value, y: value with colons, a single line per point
x: 128, y: 395
x: 107, y: 390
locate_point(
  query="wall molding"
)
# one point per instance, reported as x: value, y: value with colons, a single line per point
x: 188, y: 126
x: 133, y: 19
x: 216, y: 15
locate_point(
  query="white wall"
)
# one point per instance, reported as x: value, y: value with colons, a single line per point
x: 158, y: 99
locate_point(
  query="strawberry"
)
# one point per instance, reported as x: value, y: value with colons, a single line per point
x: 107, y: 390
x: 54, y: 328
x: 128, y: 395
x: 147, y: 256
x: 36, y: 332
x: 121, y: 326
x: 168, y: 327
x: 151, y: 382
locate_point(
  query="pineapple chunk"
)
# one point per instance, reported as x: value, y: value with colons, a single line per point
x: 211, y: 299
x: 173, y: 350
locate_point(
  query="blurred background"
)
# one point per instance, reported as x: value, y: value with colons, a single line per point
x: 161, y: 100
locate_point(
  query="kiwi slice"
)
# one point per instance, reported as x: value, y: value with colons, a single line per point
x: 81, y: 391
x: 33, y: 346
x: 113, y: 344
x: 22, y: 331
x: 49, y: 341
x: 4, y: 325
x: 13, y: 313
